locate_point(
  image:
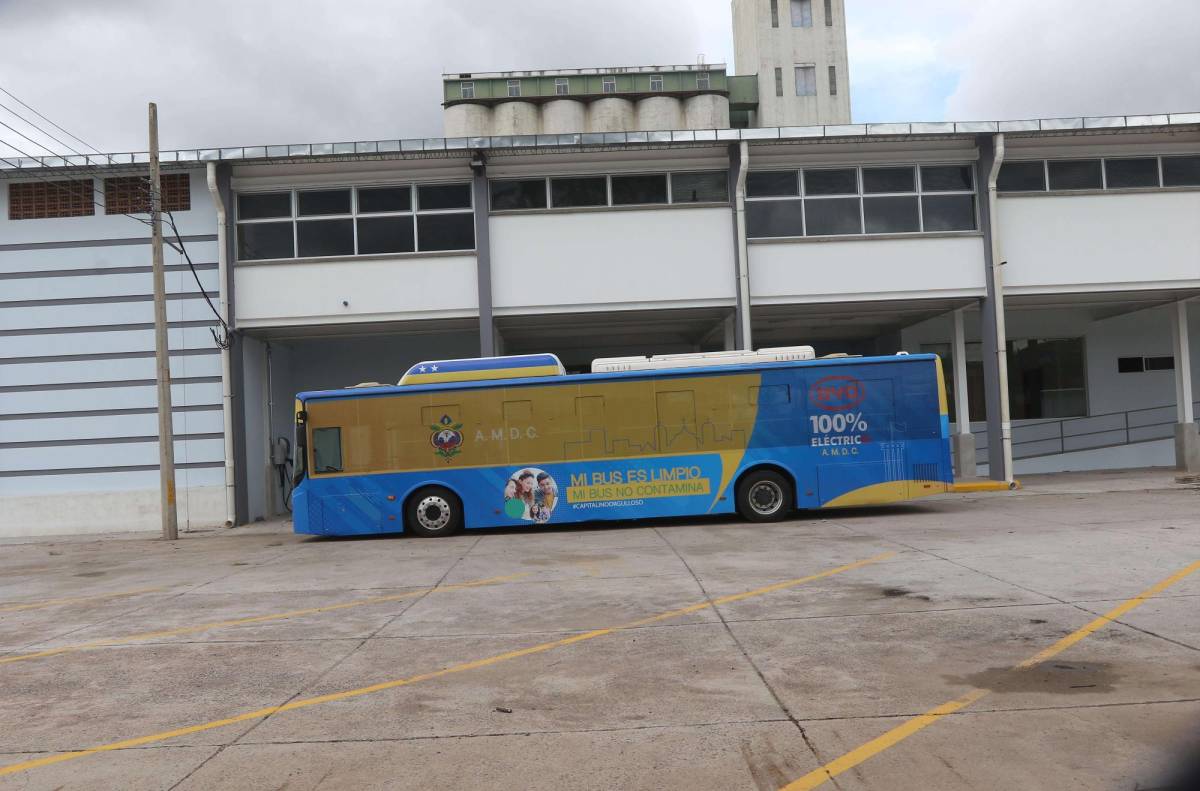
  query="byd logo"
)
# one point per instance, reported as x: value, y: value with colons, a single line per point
x: 836, y: 393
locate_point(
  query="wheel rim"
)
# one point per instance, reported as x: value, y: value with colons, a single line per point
x: 766, y: 498
x: 433, y: 512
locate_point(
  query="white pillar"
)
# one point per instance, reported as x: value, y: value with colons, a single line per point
x: 1187, y: 437
x: 730, y: 329
x: 961, y: 404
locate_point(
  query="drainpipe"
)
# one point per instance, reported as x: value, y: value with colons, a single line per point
x: 743, y: 249
x: 997, y: 278
x: 226, y: 364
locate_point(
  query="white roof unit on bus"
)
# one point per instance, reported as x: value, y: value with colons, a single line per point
x: 778, y: 354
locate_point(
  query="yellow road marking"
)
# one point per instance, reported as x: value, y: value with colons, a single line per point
x: 35, y: 605
x: 901, y: 732
x: 453, y: 669
x: 204, y: 627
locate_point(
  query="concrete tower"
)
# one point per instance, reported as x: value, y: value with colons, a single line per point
x: 798, y: 50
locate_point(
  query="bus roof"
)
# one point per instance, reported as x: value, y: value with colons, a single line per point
x: 391, y: 390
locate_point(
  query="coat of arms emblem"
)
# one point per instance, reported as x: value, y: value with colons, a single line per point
x: 447, y: 438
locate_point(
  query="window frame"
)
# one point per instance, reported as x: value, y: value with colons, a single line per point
x: 466, y: 89
x: 703, y: 81
x: 1046, y: 189
x: 414, y: 212
x: 656, y: 78
x: 809, y: 68
x: 806, y: 13
x: 511, y: 85
x: 605, y: 82
x: 564, y: 84
x: 608, y: 188
x: 919, y: 193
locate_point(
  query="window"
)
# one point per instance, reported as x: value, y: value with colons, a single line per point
x: 806, y: 80
x: 1075, y: 174
x: 39, y: 200
x: 580, y: 191
x: 774, y: 13
x: 801, y: 13
x: 703, y: 81
x: 526, y: 194
x: 467, y: 90
x: 131, y: 194
x: 1160, y: 363
x: 828, y: 13
x: 514, y: 87
x: 700, y: 187
x: 634, y: 190
x: 608, y: 85
x: 766, y: 184
x: 778, y: 81
x: 1046, y: 378
x: 868, y: 200
x: 327, y: 450
x: 656, y: 82
x: 1131, y: 365
x: 1125, y: 173
x: 346, y: 221
x: 1181, y: 171
x: 561, y: 86
x: 1022, y: 177
x: 833, y: 80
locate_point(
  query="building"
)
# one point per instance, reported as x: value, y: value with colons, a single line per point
x: 792, y: 65
x: 1071, y: 244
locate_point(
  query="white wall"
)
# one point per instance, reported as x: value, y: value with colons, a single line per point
x: 383, y: 289
x: 857, y: 269
x: 1094, y: 241
x: 612, y: 259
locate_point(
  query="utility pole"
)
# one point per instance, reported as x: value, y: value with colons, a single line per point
x: 162, y: 359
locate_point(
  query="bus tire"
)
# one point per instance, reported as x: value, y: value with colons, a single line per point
x: 764, y: 496
x: 433, y: 511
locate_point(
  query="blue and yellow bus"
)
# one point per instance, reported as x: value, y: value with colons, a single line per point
x: 508, y: 441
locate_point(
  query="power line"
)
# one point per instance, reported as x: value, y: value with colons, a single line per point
x: 47, y: 120
x: 43, y: 131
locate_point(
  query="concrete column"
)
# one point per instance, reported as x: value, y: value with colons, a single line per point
x: 483, y: 255
x: 739, y: 154
x: 963, y: 440
x: 730, y: 328
x: 1187, y: 440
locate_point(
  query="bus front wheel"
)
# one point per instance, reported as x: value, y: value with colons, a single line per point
x: 433, y: 511
x: 764, y: 496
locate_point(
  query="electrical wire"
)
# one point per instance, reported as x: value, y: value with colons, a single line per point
x: 56, y: 126
x: 226, y: 341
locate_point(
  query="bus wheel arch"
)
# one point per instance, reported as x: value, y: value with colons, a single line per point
x: 433, y: 510
x: 765, y: 493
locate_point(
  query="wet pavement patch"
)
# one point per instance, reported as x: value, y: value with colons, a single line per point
x: 1054, y: 678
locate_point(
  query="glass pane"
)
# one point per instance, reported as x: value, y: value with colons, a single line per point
x: 443, y: 196
x: 590, y: 191
x: 946, y: 178
x: 1022, y: 177
x: 889, y: 180
x: 323, y: 202
x: 1075, y: 174
x: 1130, y: 365
x: 628, y: 190
x: 325, y: 237
x: 528, y: 194
x: 700, y: 187
x: 1181, y: 171
x: 890, y: 215
x: 949, y: 212
x: 261, y: 240
x: 774, y: 218
x: 772, y: 184
x: 385, y: 235
x: 327, y: 450
x: 1046, y: 378
x: 380, y: 199
x: 263, y: 205
x: 1131, y: 172
x: 806, y: 80
x: 446, y: 232
x: 832, y: 217
x: 830, y: 182
x: 801, y: 13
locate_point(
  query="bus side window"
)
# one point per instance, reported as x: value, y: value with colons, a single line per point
x: 327, y: 450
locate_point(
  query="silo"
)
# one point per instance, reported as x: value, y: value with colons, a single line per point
x: 659, y: 112
x: 707, y: 111
x: 467, y: 120
x: 564, y: 116
x: 515, y: 118
x: 611, y: 115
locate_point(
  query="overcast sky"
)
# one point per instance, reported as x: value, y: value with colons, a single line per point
x: 245, y: 72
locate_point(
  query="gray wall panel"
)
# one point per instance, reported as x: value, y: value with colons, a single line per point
x: 104, y: 456
x: 105, y: 370
x: 88, y: 399
x: 33, y: 485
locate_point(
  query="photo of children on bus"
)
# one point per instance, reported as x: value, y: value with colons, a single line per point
x: 530, y: 494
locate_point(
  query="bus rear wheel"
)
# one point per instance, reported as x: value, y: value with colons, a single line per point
x: 764, y: 496
x: 433, y: 511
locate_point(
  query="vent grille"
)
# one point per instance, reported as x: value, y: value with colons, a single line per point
x: 925, y: 472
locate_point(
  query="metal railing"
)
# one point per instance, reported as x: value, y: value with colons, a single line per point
x: 1055, y: 436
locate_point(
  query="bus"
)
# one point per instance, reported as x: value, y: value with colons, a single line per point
x: 510, y: 441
